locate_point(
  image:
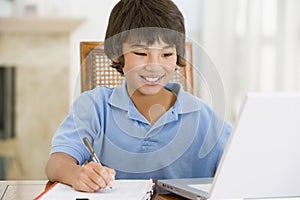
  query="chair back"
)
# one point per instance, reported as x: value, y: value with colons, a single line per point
x: 96, y: 69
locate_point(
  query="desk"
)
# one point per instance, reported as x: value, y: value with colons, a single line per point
x: 24, y: 190
x: 21, y: 189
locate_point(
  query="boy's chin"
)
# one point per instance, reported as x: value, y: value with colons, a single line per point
x: 149, y: 89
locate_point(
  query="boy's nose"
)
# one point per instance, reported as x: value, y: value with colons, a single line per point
x: 153, y: 63
x: 152, y: 67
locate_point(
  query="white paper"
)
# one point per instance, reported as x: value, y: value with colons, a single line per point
x: 122, y: 190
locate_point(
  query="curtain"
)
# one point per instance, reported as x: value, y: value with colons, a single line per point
x: 255, y: 45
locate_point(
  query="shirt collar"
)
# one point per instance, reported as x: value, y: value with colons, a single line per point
x: 119, y: 97
x: 185, y: 102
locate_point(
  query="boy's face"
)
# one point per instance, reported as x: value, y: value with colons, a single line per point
x: 148, y: 68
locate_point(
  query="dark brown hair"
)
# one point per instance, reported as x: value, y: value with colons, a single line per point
x: 144, y: 20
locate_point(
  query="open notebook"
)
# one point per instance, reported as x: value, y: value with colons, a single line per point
x: 122, y: 189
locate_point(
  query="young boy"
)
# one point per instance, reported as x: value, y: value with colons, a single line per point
x: 148, y: 127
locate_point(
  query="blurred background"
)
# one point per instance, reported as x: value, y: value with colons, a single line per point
x: 253, y: 45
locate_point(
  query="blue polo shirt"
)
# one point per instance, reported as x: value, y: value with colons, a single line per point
x: 187, y: 141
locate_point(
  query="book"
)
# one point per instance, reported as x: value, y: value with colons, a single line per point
x: 122, y: 190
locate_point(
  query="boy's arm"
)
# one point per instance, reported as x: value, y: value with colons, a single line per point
x: 88, y: 178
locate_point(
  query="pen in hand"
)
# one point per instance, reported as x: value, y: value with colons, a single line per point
x: 91, y: 150
x: 92, y: 153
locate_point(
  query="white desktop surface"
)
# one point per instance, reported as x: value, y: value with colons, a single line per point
x: 19, y: 189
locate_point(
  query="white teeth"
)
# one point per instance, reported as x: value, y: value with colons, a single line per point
x: 151, y: 79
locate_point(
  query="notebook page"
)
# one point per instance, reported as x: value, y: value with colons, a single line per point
x: 122, y: 190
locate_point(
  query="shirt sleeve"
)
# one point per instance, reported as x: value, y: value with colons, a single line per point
x: 216, y: 132
x: 223, y: 142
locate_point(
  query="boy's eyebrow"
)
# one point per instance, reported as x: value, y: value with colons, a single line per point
x: 142, y: 46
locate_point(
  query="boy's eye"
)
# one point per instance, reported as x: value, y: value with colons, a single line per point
x: 167, y: 54
x: 140, y: 53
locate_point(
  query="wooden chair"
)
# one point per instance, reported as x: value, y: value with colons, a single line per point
x: 96, y: 70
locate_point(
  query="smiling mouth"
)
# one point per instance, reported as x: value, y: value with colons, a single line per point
x: 152, y: 80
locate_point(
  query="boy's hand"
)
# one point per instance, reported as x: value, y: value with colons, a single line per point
x: 92, y: 177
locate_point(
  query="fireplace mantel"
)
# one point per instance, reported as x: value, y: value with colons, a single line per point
x: 49, y: 25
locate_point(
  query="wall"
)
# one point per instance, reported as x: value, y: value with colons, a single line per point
x: 42, y: 81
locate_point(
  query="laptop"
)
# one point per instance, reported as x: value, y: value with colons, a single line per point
x: 262, y: 156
